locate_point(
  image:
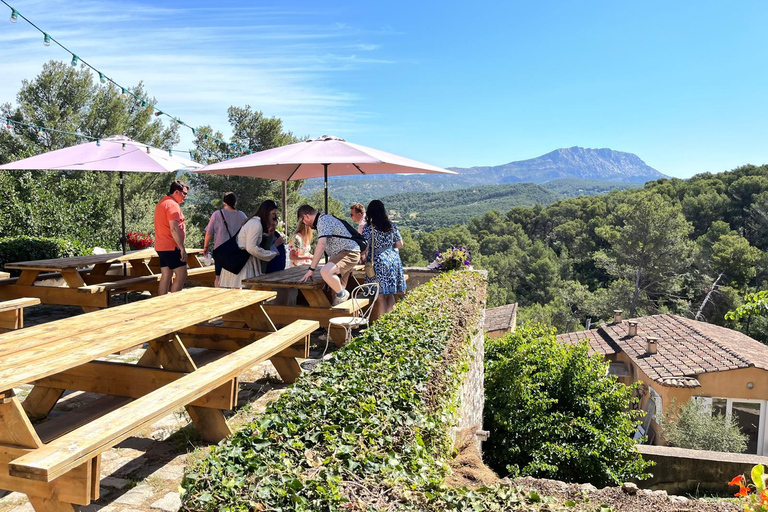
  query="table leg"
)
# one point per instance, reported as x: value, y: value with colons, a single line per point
x: 140, y: 268
x: 210, y: 423
x: 75, y: 280
x: 316, y: 298
x: 40, y: 401
x: 27, y: 277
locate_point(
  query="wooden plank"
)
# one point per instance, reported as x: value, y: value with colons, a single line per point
x: 54, y: 295
x: 5, y: 275
x: 71, y: 450
x: 71, y: 487
x: 28, y: 277
x: 58, y: 264
x: 22, y: 302
x: 283, y: 315
x: 128, y: 380
x: 215, y: 337
x: 118, y: 284
x: 34, y: 353
x: 41, y: 400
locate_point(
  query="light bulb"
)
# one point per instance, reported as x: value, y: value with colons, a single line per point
x: 158, y: 113
x: 123, y: 146
x: 102, y: 78
x: 179, y: 121
x: 39, y: 132
x: 125, y: 93
x: 14, y: 15
x: 46, y: 39
x: 170, y: 152
x: 147, y: 149
x: 75, y: 60
x: 98, y: 142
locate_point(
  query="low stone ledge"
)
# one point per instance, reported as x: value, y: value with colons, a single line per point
x: 684, y: 471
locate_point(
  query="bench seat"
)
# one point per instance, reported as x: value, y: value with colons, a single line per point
x: 88, y: 441
x: 122, y: 284
x: 12, y: 312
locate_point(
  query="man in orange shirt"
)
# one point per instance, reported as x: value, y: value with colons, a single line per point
x: 170, y: 233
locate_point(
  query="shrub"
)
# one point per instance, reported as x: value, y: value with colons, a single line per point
x: 367, y: 429
x: 27, y: 248
x: 553, y: 412
x: 695, y: 427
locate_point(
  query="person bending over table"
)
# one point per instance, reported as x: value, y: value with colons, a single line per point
x: 170, y: 233
x: 343, y: 252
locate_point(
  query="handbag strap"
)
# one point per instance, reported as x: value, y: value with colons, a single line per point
x: 224, y: 218
x: 373, y: 250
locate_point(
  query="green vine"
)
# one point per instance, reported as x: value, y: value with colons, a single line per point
x: 368, y: 430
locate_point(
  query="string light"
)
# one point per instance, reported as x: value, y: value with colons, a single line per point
x: 123, y: 146
x: 203, y: 154
x: 104, y: 79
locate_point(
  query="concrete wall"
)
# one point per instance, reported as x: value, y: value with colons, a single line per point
x: 695, y: 472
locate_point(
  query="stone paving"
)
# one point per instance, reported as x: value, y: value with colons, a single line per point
x: 143, y: 473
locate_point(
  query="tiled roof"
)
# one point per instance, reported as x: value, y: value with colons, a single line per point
x: 686, y: 348
x: 597, y: 343
x: 500, y: 318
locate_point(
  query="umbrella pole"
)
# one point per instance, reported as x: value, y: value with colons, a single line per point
x: 121, y: 184
x: 285, y: 206
x: 325, y: 185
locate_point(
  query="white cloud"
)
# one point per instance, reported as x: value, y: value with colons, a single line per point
x: 198, y: 61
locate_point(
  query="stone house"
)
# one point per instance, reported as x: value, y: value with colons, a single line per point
x: 501, y: 320
x: 677, y: 359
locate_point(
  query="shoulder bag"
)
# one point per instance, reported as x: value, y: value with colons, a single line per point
x: 229, y: 255
x: 370, y: 270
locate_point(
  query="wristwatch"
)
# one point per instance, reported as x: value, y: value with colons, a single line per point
x: 312, y: 269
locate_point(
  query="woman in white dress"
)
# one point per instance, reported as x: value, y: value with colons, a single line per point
x: 249, y: 239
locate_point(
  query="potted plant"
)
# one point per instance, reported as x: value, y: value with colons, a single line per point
x: 455, y: 258
x: 138, y: 240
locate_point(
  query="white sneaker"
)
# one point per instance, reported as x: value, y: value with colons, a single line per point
x: 338, y: 300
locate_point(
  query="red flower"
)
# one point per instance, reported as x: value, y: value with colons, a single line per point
x: 743, y: 492
x: 739, y: 480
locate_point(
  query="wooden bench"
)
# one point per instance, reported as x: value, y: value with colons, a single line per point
x: 57, y: 462
x: 83, y: 444
x: 12, y: 313
x: 120, y: 285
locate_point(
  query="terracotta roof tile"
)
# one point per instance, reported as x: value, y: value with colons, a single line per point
x: 686, y: 348
x: 597, y: 343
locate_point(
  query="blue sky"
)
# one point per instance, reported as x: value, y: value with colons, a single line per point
x: 681, y: 84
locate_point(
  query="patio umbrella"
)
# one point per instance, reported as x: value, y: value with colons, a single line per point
x: 321, y: 157
x: 115, y: 153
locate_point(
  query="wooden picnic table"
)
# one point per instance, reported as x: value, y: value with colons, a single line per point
x: 318, y: 306
x: 57, y: 463
x: 88, y: 283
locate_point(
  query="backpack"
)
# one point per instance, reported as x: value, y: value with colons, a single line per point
x: 354, y: 235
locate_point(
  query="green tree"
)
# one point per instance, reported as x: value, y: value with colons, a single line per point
x: 410, y: 252
x: 251, y: 130
x: 554, y: 412
x: 443, y: 238
x: 79, y: 205
x: 649, y: 246
x: 695, y: 427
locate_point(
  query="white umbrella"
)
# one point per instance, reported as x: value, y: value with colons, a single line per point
x: 321, y: 157
x: 115, y: 153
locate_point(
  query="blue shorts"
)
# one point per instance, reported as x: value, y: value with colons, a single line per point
x: 171, y: 259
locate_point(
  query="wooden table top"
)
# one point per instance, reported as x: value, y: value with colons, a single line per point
x: 58, y: 264
x: 46, y: 349
x: 288, y: 278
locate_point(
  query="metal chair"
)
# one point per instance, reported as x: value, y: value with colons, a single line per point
x: 360, y: 318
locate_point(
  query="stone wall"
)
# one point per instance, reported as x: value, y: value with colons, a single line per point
x: 472, y: 394
x: 695, y: 472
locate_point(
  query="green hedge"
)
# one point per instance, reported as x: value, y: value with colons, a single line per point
x: 29, y: 248
x: 367, y: 429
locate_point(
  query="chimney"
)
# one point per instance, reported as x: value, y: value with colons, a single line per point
x: 617, y: 316
x: 632, y: 327
x: 653, y: 344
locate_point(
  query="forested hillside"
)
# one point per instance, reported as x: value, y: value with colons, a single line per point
x: 691, y: 247
x: 428, y: 211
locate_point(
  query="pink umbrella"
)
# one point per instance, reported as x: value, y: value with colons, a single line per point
x: 324, y: 156
x: 115, y: 153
